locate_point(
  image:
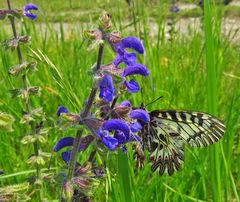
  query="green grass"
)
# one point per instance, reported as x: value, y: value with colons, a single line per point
x: 199, y: 71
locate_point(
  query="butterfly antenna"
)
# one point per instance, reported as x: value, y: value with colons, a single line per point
x: 154, y: 101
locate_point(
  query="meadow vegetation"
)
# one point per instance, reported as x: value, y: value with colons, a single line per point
x: 181, y: 70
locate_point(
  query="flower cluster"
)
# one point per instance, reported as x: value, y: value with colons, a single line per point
x: 120, y: 124
x: 106, y: 87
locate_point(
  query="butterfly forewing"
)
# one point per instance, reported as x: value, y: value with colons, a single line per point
x: 196, y: 128
x: 167, y: 131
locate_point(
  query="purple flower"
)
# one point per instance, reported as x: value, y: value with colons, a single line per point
x: 132, y: 86
x: 130, y: 59
x: 66, y: 156
x: 126, y: 103
x: 135, y: 69
x: 121, y: 131
x: 116, y: 124
x: 133, y: 43
x: 68, y: 142
x: 64, y: 142
x: 121, y: 137
x: 107, y: 90
x: 110, y: 142
x: 27, y: 11
x: 61, y: 110
x: 123, y: 56
x: 1, y: 172
x: 140, y: 114
x: 127, y: 58
x: 135, y: 127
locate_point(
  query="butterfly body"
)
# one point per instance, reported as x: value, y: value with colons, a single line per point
x: 167, y: 132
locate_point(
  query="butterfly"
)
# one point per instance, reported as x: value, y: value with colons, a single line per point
x: 168, y: 130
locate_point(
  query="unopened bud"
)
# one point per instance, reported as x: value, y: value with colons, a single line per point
x: 67, y: 190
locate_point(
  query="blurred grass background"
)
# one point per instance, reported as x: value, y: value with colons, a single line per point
x: 183, y: 68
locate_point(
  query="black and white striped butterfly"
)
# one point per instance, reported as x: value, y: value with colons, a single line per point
x: 168, y: 130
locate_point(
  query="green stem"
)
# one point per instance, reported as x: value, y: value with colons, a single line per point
x: 25, y: 86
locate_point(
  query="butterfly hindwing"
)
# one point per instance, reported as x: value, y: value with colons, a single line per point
x: 169, y: 129
x: 166, y: 148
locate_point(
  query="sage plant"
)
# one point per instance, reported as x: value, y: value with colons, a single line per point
x: 32, y: 118
x: 105, y: 122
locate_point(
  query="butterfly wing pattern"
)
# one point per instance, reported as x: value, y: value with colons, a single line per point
x: 168, y: 130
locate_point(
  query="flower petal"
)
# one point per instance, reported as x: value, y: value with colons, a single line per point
x: 121, y: 137
x: 135, y: 127
x: 140, y: 114
x: 27, y: 11
x: 61, y: 110
x: 126, y: 103
x: 130, y: 58
x: 135, y: 138
x: 66, y: 156
x: 116, y: 124
x: 110, y: 142
x: 132, y: 86
x: 133, y: 43
x: 64, y: 142
x: 135, y: 69
x: 107, y: 90
x: 30, y: 6
x: 117, y: 60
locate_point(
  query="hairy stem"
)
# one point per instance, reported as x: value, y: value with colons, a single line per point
x: 84, y: 114
x: 73, y: 158
x: 93, y: 93
x: 25, y: 86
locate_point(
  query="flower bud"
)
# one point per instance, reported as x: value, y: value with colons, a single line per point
x: 120, y: 111
x: 67, y: 190
x: 105, y: 22
x: 114, y: 37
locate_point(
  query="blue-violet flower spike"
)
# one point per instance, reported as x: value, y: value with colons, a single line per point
x: 116, y: 124
x: 133, y: 43
x: 132, y: 86
x: 140, y: 114
x: 64, y: 142
x: 135, y: 69
x: 27, y: 11
x: 1, y: 172
x: 107, y: 90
